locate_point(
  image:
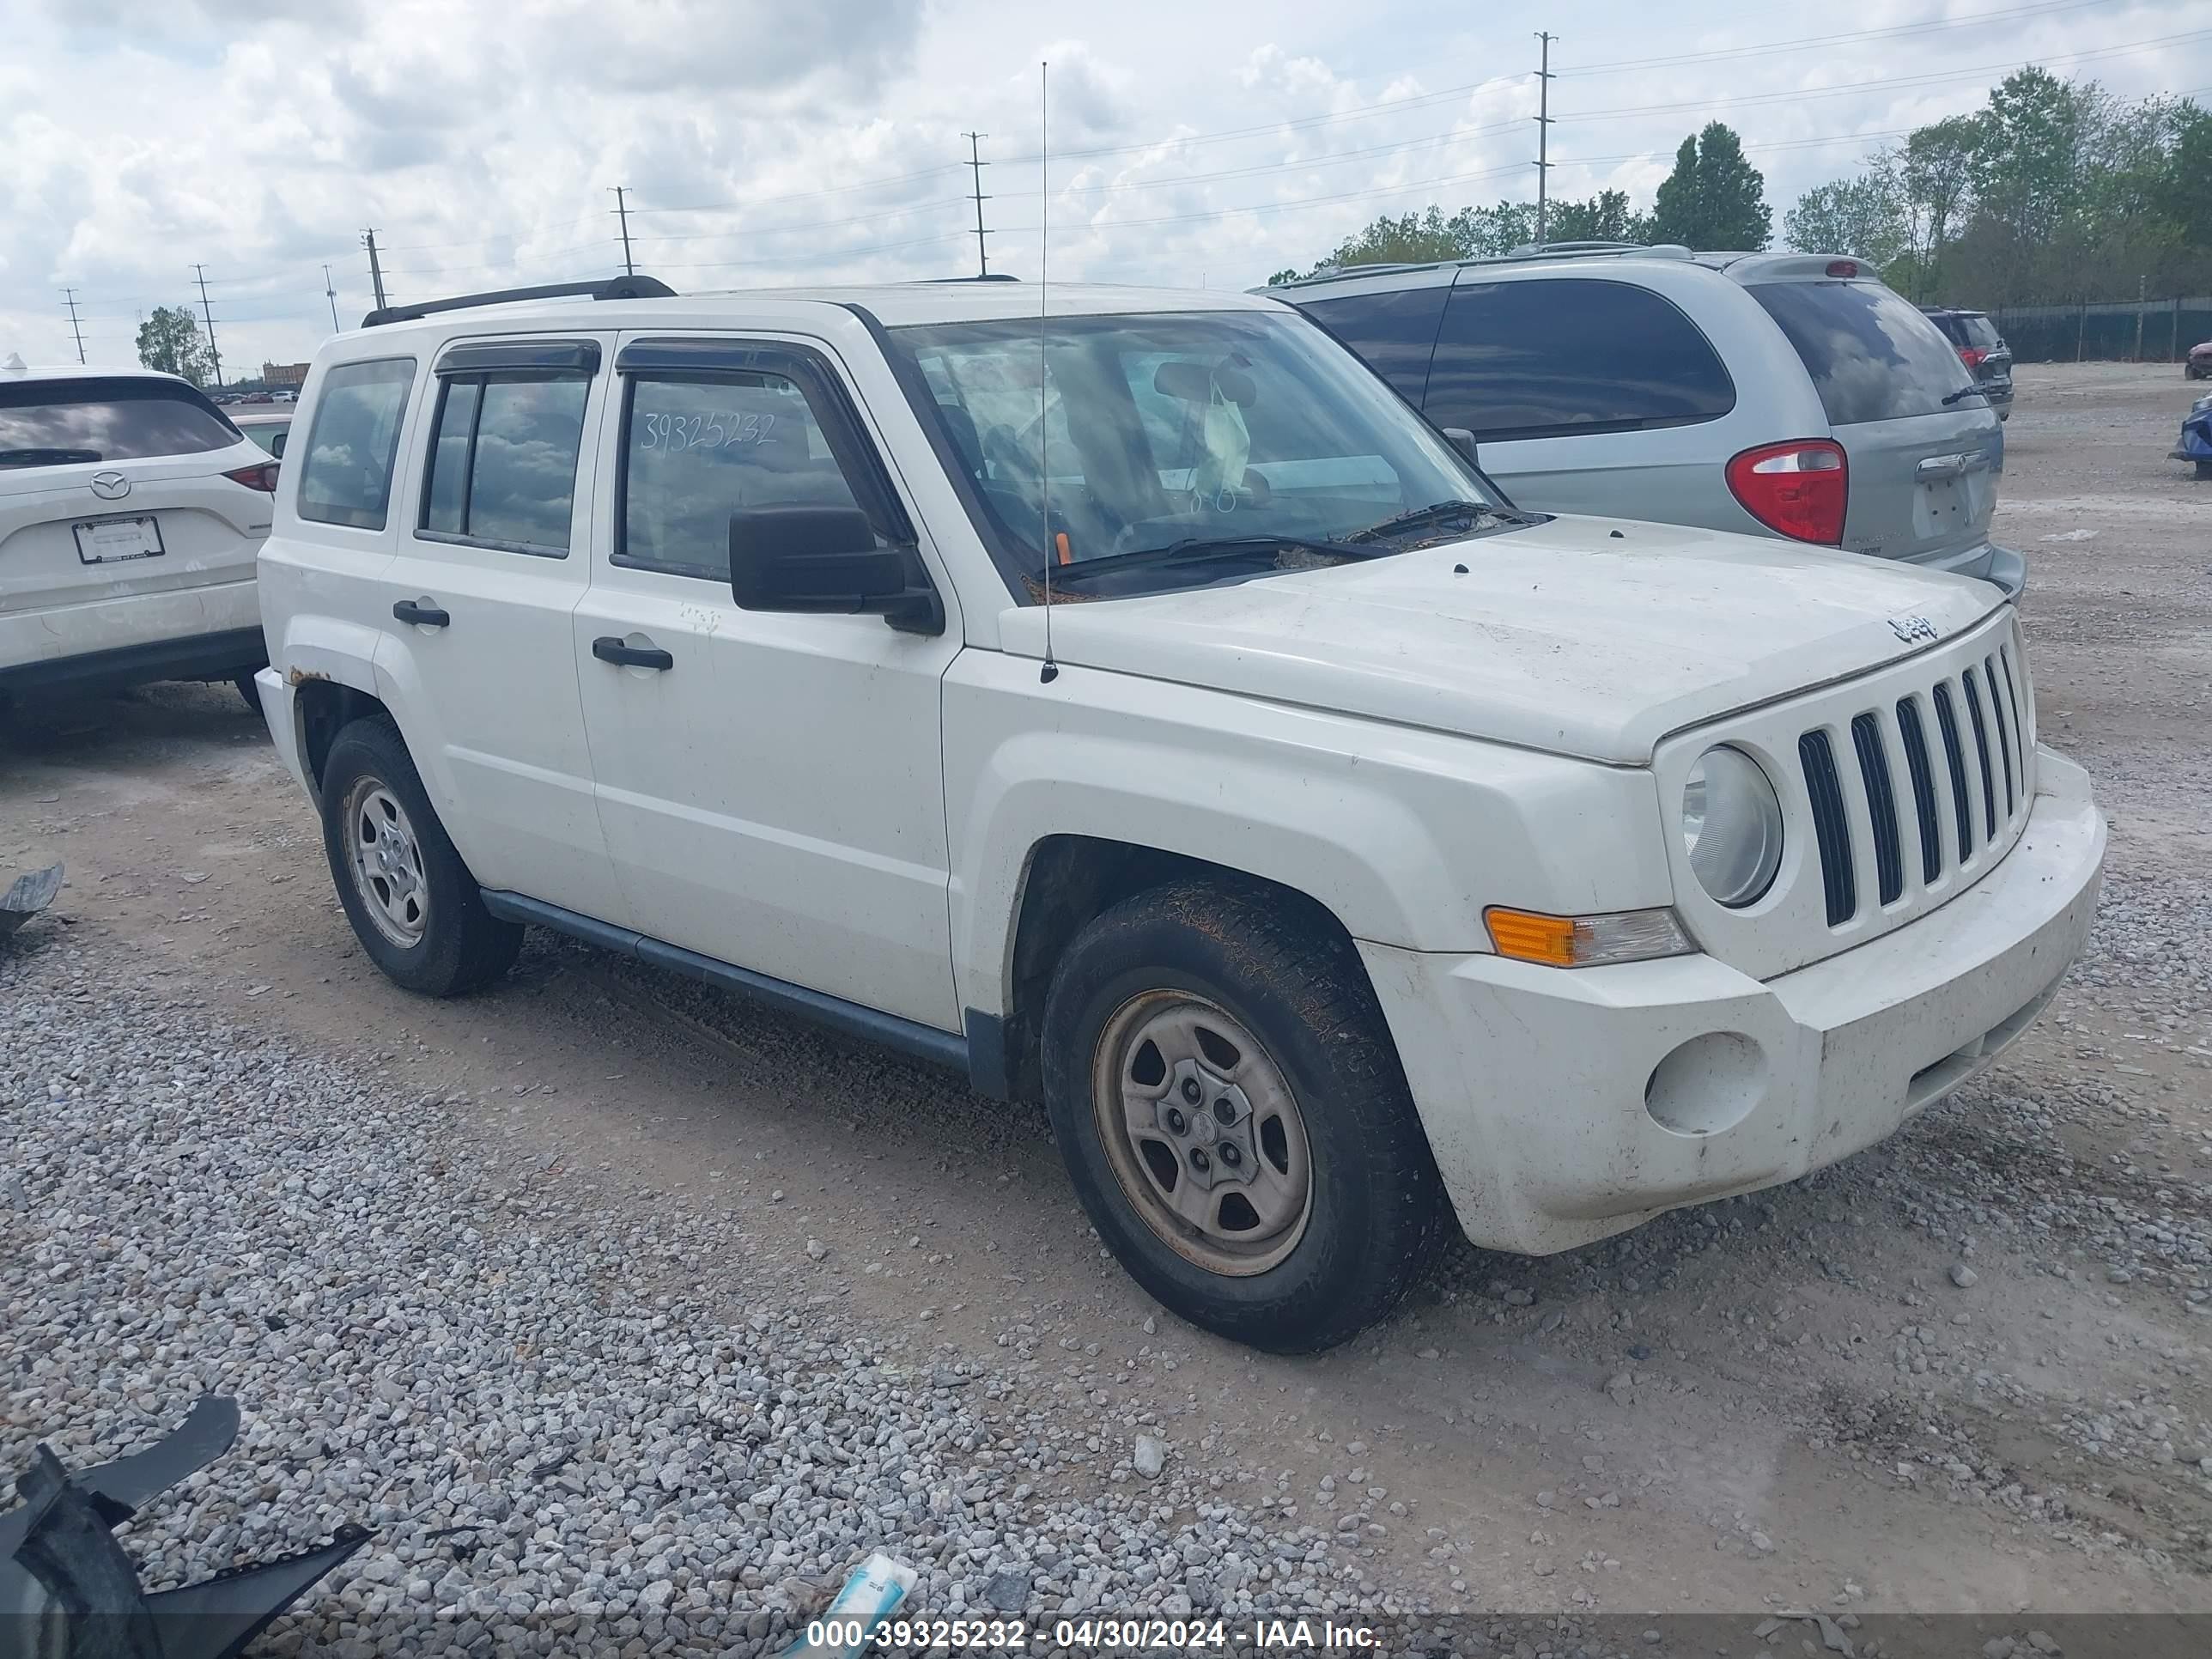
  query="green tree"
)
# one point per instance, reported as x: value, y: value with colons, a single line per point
x: 2182, y: 194
x: 1714, y: 198
x: 1938, y: 171
x: 1868, y: 216
x: 1419, y: 237
x: 1604, y: 217
x: 170, y: 341
x: 2028, y: 171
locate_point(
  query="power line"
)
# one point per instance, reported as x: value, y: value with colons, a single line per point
x: 2044, y: 8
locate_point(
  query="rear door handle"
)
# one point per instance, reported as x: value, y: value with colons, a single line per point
x: 607, y: 648
x: 423, y: 616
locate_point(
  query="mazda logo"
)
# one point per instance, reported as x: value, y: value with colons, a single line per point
x: 110, y: 486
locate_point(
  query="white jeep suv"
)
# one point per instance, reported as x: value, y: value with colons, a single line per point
x: 1337, y: 845
x: 131, y: 510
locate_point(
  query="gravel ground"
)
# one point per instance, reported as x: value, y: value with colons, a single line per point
x: 776, y: 1298
x: 556, y: 1438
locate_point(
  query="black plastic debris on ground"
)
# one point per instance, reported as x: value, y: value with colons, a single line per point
x: 68, y: 1590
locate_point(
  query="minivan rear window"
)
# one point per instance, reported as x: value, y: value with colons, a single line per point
x: 1570, y: 356
x: 74, y: 423
x: 1872, y: 355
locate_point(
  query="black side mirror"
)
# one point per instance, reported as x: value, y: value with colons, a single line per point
x: 807, y: 557
x: 1463, y: 440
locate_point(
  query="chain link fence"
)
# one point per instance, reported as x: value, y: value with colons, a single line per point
x: 2126, y: 331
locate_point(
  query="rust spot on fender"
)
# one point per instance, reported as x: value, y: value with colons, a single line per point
x: 301, y: 676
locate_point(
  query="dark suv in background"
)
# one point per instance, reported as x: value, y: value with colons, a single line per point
x: 1982, y: 349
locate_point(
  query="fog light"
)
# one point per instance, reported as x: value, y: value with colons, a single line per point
x: 1707, y: 1084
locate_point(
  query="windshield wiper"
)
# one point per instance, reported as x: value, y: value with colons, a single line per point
x: 1964, y: 391
x: 47, y: 457
x: 1193, y: 549
x: 1432, y: 514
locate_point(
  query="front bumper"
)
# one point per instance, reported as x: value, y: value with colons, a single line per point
x: 1543, y: 1089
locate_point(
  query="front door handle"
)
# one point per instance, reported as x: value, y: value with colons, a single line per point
x: 423, y: 616
x: 607, y: 648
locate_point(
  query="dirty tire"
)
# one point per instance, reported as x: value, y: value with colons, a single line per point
x: 1376, y: 1205
x: 462, y: 947
x: 2203, y: 470
x: 248, y: 689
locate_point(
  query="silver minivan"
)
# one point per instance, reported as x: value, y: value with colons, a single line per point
x: 1779, y: 394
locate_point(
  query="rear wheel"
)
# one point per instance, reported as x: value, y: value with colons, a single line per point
x: 1235, y: 1119
x: 416, y: 910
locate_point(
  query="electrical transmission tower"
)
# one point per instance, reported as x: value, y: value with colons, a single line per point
x: 621, y: 212
x: 975, y: 165
x: 1543, y: 132
x: 208, y: 312
x: 69, y: 295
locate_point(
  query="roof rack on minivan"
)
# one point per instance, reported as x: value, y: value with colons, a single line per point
x: 631, y: 287
x: 1526, y: 251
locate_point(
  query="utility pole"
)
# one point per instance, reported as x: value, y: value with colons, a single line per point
x: 70, y: 298
x: 208, y: 312
x: 331, y: 290
x: 621, y: 212
x: 375, y: 270
x: 1543, y: 131
x: 975, y: 165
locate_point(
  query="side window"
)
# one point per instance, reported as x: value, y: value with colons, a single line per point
x: 696, y: 445
x: 503, y: 459
x: 347, y: 475
x: 1395, y: 332
x: 1553, y: 357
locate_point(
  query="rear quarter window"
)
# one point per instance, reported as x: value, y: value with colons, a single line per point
x: 1561, y: 357
x: 74, y: 423
x: 1395, y: 331
x: 1872, y: 355
x: 346, y: 475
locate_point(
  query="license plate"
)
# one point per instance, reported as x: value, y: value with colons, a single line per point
x: 112, y: 541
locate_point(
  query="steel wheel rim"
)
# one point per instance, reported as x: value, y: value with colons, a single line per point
x: 385, y: 856
x: 1203, y: 1133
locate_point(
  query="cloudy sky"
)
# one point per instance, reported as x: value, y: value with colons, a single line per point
x: 765, y: 141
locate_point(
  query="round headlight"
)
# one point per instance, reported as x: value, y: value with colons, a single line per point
x: 1731, y: 826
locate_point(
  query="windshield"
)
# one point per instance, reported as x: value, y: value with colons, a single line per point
x: 1165, y: 431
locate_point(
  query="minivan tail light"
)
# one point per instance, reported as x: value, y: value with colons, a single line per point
x: 1797, y: 489
x: 261, y: 475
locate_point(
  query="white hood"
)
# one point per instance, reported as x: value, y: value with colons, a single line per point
x: 1563, y: 636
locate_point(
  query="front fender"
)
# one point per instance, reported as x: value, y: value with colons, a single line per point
x: 1403, y: 836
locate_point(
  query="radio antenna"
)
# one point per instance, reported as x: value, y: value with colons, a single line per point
x: 1050, y: 671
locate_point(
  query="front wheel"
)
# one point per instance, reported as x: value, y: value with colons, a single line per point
x: 412, y: 903
x: 2204, y: 469
x: 1235, y: 1118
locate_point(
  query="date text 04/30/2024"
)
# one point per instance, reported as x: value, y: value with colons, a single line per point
x: 1166, y: 1635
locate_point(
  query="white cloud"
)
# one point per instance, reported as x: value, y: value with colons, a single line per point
x: 481, y: 139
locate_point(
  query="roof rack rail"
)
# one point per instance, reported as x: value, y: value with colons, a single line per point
x: 985, y: 276
x: 612, y: 288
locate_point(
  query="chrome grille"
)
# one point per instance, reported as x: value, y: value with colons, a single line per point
x: 1863, y: 818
